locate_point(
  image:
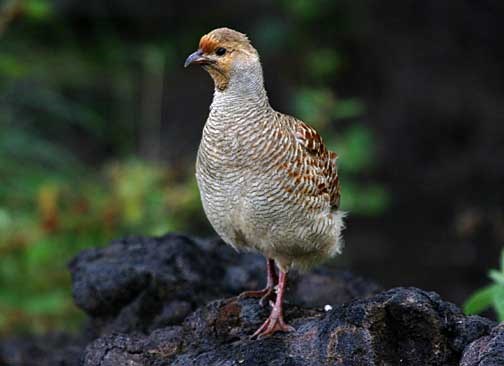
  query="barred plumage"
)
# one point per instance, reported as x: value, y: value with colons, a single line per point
x: 266, y: 179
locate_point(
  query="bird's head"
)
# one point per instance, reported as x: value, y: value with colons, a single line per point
x: 226, y: 55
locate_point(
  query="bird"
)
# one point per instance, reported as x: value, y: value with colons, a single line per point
x: 267, y: 182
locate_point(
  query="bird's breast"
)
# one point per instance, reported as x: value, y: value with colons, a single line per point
x: 221, y: 178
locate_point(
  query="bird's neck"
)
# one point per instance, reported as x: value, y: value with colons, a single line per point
x: 244, y: 93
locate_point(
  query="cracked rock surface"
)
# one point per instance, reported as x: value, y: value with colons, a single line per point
x: 486, y: 351
x: 403, y: 326
x: 169, y: 301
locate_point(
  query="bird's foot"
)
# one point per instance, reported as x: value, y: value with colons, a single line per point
x: 264, y: 294
x: 272, y: 325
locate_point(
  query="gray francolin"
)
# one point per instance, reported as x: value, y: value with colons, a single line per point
x: 266, y: 180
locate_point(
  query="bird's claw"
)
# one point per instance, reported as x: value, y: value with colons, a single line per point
x: 272, y: 325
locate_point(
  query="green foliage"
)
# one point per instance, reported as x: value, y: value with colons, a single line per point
x: 356, y: 144
x: 52, y: 204
x: 37, y: 9
x: 324, y: 63
x: 269, y: 34
x: 11, y: 67
x: 60, y: 216
x: 491, y: 296
x: 306, y: 9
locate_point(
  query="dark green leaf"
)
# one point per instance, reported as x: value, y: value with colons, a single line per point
x: 481, y: 300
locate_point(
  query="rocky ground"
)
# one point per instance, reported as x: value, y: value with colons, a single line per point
x: 169, y: 301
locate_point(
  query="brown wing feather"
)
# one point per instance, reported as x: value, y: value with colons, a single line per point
x: 317, y: 164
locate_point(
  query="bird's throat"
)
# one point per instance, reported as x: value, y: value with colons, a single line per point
x: 221, y: 80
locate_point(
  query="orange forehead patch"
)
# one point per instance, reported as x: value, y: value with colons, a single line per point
x: 208, y: 44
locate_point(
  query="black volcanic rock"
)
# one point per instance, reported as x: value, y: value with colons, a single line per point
x: 168, y: 301
x: 48, y: 350
x: 486, y: 351
x: 403, y: 326
x: 136, y: 282
x: 141, y: 284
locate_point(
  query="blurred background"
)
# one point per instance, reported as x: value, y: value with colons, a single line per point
x: 100, y: 122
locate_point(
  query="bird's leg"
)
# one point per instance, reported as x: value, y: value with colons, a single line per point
x: 265, y: 293
x: 275, y: 322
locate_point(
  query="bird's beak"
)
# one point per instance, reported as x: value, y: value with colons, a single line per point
x: 196, y: 58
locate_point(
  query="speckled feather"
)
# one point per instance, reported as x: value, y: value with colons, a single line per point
x: 266, y: 179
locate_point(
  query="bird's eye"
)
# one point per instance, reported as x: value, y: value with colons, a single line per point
x: 220, y: 51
